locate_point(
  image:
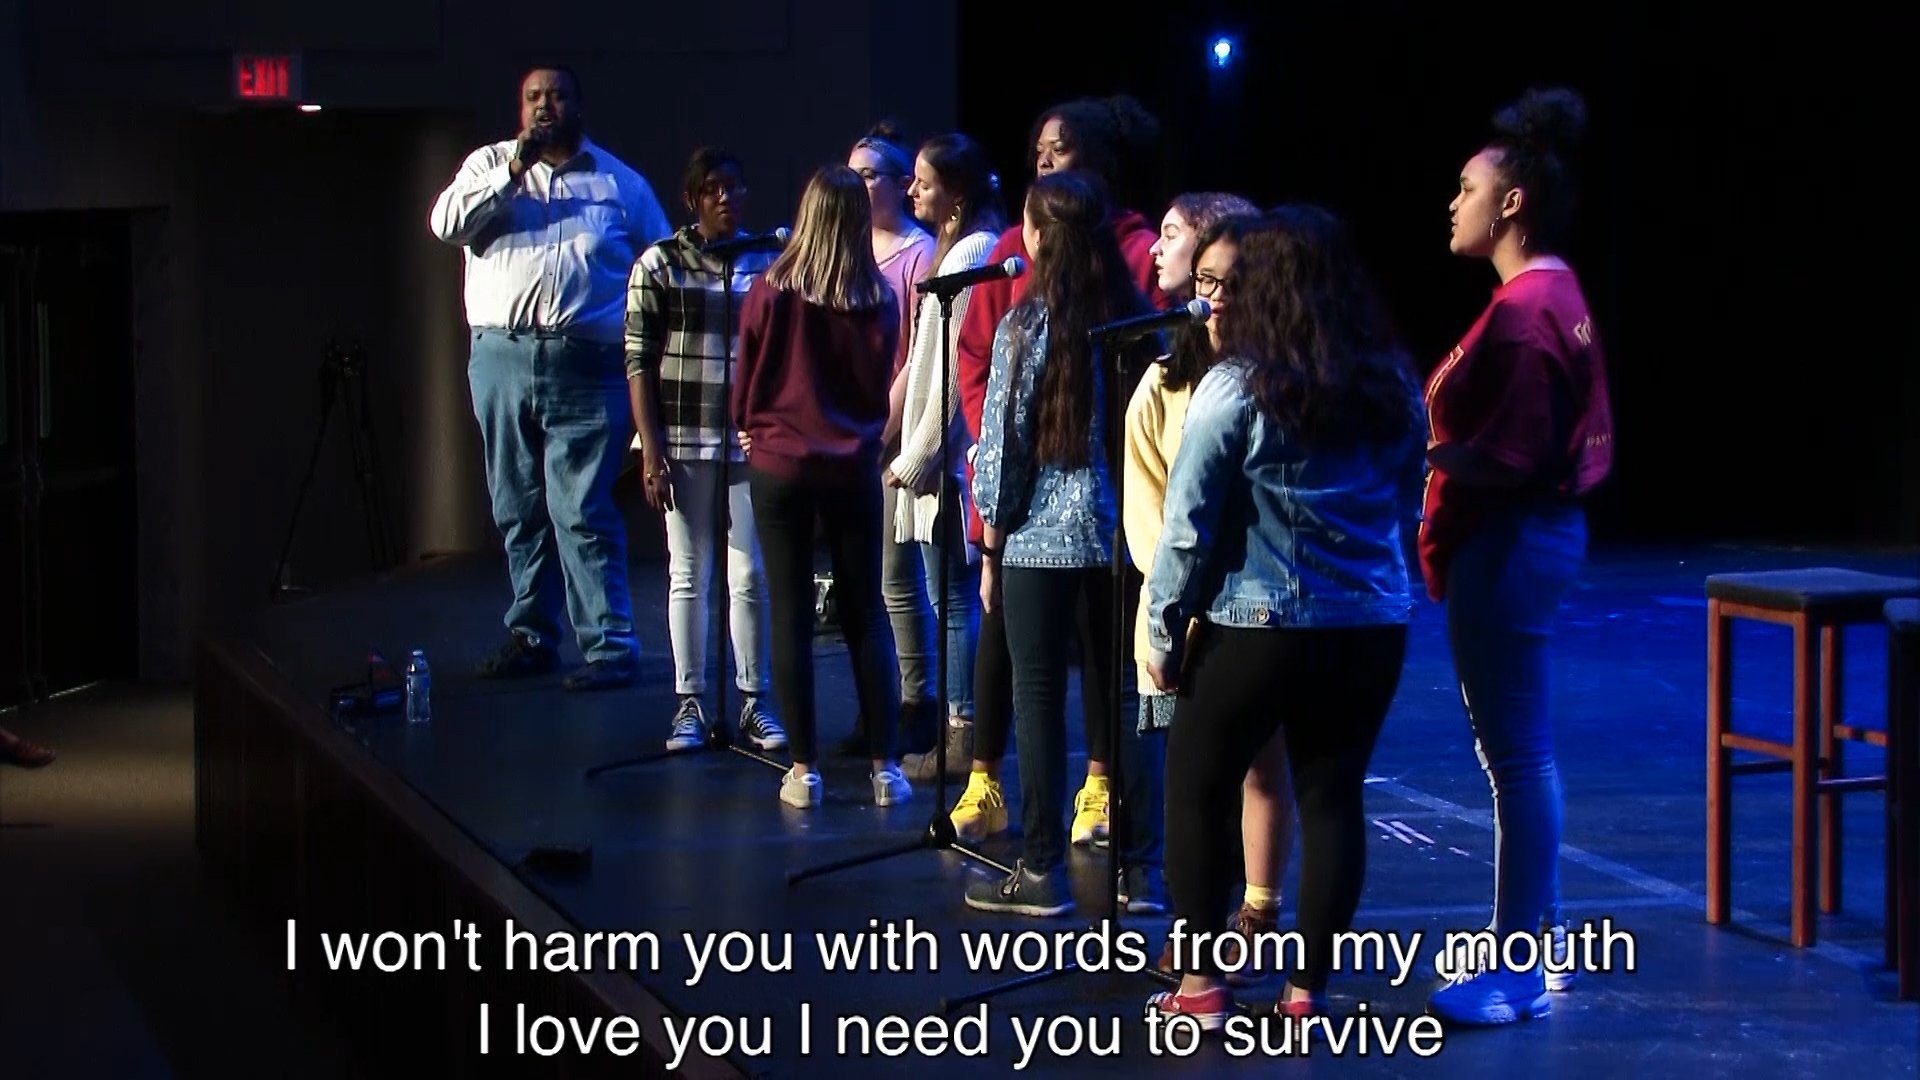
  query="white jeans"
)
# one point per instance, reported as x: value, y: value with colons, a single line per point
x: 690, y: 542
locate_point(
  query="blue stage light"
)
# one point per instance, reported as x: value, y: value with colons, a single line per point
x: 1222, y: 51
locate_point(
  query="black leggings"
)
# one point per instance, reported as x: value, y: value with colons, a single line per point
x: 1327, y: 691
x: 993, y: 678
x: 992, y: 689
x: 849, y: 515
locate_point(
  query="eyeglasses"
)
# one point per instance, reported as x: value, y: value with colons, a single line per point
x: 1208, y: 287
x: 714, y: 189
x: 870, y: 175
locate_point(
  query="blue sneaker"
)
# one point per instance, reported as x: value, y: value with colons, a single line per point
x: 1492, y: 997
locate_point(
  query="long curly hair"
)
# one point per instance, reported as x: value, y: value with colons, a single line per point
x: 1081, y: 278
x: 1115, y: 137
x: 1321, y: 355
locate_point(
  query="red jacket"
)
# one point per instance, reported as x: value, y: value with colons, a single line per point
x: 990, y: 301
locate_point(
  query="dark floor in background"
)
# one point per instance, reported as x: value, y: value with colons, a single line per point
x: 119, y: 957
x: 702, y: 844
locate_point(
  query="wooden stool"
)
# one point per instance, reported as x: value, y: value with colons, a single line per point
x: 1818, y: 604
x: 1903, y: 792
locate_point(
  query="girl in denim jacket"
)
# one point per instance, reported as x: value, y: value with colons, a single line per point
x: 1285, y: 514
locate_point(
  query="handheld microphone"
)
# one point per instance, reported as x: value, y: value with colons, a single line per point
x: 1124, y: 330
x: 743, y: 245
x: 949, y: 284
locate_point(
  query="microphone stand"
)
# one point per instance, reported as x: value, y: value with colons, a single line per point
x: 939, y: 834
x: 719, y: 732
x: 1117, y: 825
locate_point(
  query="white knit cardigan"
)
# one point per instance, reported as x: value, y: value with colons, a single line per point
x: 916, y: 517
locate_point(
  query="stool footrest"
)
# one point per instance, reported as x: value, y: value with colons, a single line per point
x: 1844, y: 784
x: 1749, y: 768
x: 1734, y: 741
x: 1855, y: 733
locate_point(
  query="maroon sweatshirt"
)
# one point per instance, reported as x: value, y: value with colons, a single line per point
x: 810, y: 389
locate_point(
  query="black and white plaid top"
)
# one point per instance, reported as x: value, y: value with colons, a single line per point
x: 675, y: 327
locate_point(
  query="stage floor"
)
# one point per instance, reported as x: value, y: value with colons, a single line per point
x: 701, y: 844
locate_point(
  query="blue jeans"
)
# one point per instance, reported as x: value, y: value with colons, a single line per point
x: 903, y: 585
x: 963, y: 604
x: 1503, y: 590
x: 554, y: 424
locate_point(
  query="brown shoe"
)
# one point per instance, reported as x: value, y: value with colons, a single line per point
x: 925, y: 768
x: 15, y: 750
x: 1249, y: 920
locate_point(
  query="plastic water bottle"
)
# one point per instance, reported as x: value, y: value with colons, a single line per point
x: 419, y: 689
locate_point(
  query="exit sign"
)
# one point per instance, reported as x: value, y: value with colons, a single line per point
x: 266, y: 76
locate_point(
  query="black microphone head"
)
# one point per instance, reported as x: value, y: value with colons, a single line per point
x: 781, y: 235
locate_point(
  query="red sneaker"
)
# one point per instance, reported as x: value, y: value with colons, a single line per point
x: 1210, y: 1008
x: 1301, y: 1008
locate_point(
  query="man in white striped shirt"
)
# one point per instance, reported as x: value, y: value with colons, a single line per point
x: 550, y: 224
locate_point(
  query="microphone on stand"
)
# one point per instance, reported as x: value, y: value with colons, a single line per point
x: 743, y: 245
x: 1121, y: 331
x: 951, y: 284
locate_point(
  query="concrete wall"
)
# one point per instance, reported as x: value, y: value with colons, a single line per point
x: 260, y: 235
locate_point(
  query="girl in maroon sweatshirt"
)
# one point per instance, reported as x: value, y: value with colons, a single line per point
x: 818, y: 333
x: 1522, y: 430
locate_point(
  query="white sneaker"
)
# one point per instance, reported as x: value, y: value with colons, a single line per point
x: 890, y: 788
x: 802, y: 792
x: 1559, y: 956
x: 1453, y: 968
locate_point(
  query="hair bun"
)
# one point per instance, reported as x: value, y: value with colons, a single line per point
x: 886, y: 129
x: 1555, y: 118
x: 1136, y: 126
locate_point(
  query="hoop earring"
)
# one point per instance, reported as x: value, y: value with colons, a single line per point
x: 1493, y: 227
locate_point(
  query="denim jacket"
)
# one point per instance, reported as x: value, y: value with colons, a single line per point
x: 1260, y: 532
x: 1052, y: 517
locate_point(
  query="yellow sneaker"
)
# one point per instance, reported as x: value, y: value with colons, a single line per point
x: 1090, y: 811
x: 982, y: 809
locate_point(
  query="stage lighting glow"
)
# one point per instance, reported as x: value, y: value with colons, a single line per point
x: 309, y: 108
x: 1222, y: 51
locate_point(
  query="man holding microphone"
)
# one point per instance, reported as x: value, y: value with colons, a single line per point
x: 550, y: 224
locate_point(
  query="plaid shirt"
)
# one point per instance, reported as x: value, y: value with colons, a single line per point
x: 676, y: 328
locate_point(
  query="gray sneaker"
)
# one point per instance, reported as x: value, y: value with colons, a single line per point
x: 1023, y: 892
x: 1143, y: 891
x: 925, y: 767
x: 689, y: 726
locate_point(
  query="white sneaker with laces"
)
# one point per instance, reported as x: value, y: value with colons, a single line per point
x: 1559, y: 969
x: 801, y: 792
